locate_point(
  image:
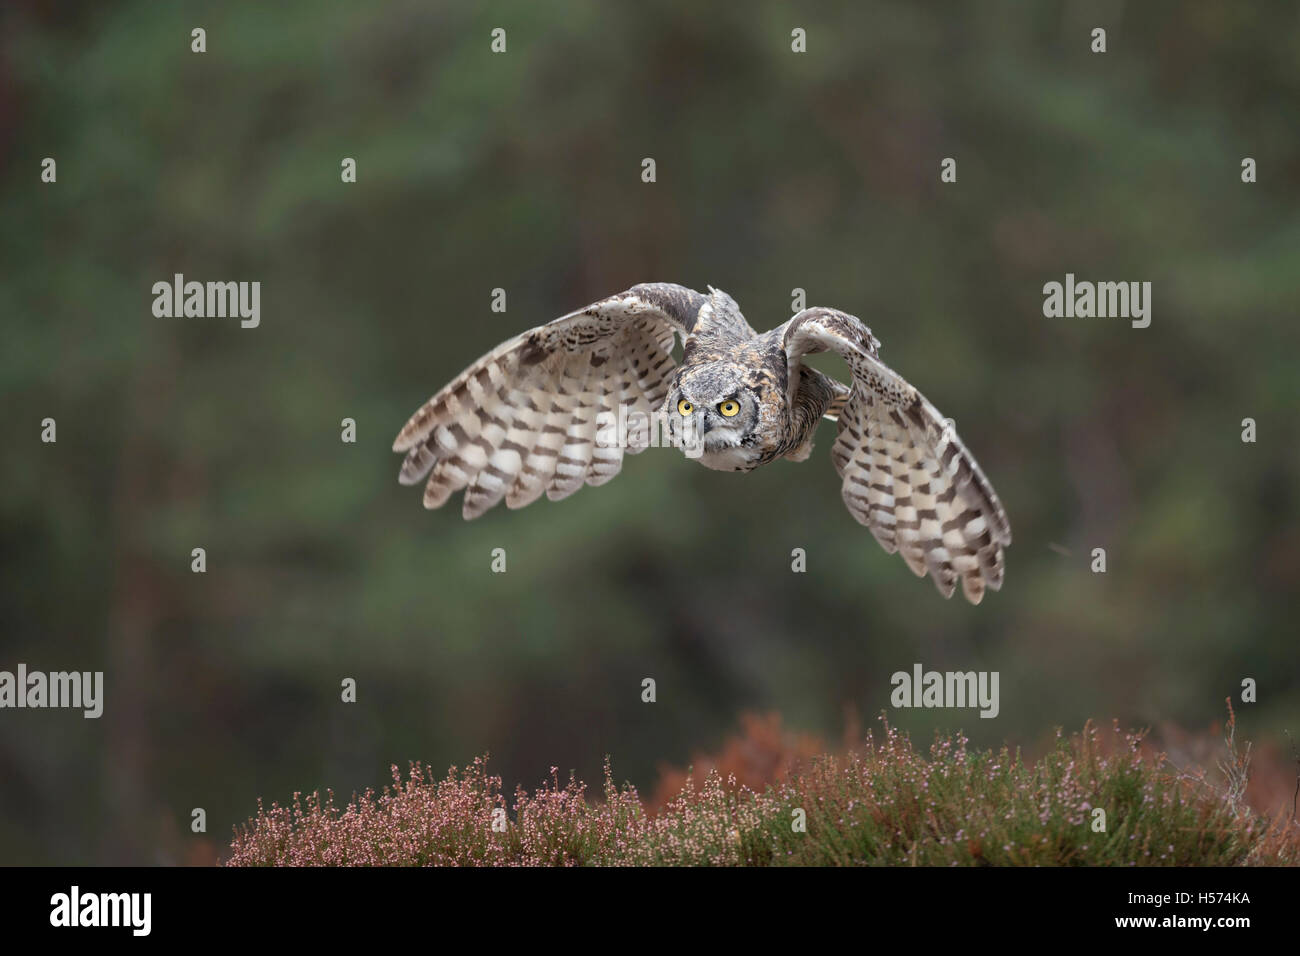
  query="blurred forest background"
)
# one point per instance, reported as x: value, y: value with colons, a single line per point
x: 522, y: 171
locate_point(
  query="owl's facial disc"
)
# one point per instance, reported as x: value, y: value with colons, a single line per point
x: 710, y: 405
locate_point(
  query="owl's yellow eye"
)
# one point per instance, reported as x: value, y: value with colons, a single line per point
x: 729, y: 408
x: 685, y: 407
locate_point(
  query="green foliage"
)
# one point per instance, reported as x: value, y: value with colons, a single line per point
x: 882, y: 805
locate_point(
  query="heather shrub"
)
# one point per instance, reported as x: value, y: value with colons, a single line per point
x: 881, y: 803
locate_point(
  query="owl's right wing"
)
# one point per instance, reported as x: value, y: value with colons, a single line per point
x: 522, y: 420
x: 906, y: 475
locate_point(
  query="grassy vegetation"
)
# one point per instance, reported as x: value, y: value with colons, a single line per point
x: 881, y: 803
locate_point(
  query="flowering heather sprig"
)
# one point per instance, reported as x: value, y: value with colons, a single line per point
x: 882, y: 803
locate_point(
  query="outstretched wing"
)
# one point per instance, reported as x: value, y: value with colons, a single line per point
x: 906, y: 474
x: 522, y: 420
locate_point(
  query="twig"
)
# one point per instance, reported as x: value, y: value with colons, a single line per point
x: 1296, y: 796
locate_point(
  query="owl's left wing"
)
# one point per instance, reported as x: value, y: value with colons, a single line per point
x: 906, y: 474
x: 525, y: 419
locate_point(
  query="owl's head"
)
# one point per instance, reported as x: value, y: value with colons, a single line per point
x: 710, y: 406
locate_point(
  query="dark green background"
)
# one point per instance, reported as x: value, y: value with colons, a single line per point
x: 522, y: 171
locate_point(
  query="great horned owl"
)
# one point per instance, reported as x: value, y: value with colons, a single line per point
x: 524, y: 419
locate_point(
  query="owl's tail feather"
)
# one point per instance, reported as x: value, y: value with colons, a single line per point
x: 836, y: 407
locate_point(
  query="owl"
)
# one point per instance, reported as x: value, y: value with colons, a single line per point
x: 535, y: 416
